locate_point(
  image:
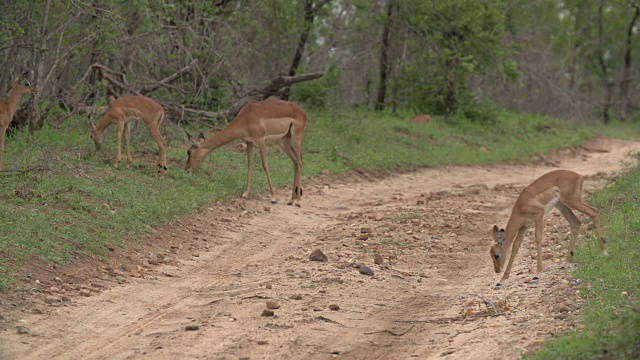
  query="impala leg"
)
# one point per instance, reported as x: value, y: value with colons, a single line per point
x: 119, y: 146
x: 265, y: 164
x: 575, y: 202
x: 127, y: 142
x: 595, y: 216
x: 539, y: 229
x: 297, y: 179
x: 575, y: 223
x: 249, y: 169
x: 285, y: 144
x: 3, y: 134
x: 162, y: 146
x: 514, y: 250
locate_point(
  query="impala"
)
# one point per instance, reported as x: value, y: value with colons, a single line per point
x: 561, y: 189
x: 259, y: 122
x: 120, y: 112
x: 8, y: 108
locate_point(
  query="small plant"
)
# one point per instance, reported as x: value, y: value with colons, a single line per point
x: 405, y: 217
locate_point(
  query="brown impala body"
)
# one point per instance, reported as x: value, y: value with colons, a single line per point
x: 120, y: 112
x: 259, y: 122
x: 561, y: 189
x: 8, y: 109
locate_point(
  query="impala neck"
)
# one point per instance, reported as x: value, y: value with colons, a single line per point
x: 223, y: 137
x: 14, y: 100
x: 511, y: 231
x: 103, y: 124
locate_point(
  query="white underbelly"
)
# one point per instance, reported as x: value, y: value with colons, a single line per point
x: 276, y: 136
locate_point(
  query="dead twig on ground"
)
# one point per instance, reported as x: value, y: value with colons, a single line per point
x: 432, y: 321
x: 255, y: 297
x: 24, y: 171
x: 391, y: 332
x: 486, y: 301
x: 328, y: 320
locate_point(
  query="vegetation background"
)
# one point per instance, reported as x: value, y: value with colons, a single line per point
x: 503, y: 80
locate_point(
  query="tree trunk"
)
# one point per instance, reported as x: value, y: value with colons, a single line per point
x: 384, y: 58
x: 606, y: 78
x: 310, y: 12
x: 625, y: 84
x: 36, y: 121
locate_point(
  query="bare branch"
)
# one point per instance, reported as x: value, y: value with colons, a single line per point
x: 178, y: 74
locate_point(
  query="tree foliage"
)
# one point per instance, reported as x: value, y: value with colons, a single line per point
x: 433, y: 56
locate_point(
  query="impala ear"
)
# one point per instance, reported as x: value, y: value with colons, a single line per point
x: 195, y: 143
x: 93, y: 127
x: 24, y: 75
x: 498, y: 235
x: 201, y: 137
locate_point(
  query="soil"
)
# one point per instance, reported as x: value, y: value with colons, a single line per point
x: 407, y: 275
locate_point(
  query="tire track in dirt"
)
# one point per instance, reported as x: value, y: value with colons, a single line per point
x: 425, y: 301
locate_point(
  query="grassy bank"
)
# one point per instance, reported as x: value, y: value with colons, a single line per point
x: 60, y: 199
x: 611, y: 317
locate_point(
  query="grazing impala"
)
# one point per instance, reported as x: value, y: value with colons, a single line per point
x: 259, y: 122
x: 561, y: 189
x: 120, y: 112
x: 8, y: 108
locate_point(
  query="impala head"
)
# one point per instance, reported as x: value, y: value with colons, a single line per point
x: 497, y: 252
x: 23, y: 86
x: 96, y: 135
x: 195, y: 157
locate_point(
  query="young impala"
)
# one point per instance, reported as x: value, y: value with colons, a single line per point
x: 120, y: 112
x: 259, y: 122
x: 8, y: 108
x: 561, y: 189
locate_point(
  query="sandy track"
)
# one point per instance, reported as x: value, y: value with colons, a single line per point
x: 427, y: 299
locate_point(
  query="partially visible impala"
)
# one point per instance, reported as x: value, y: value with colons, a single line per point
x: 259, y: 122
x: 561, y: 189
x: 120, y: 112
x: 8, y: 108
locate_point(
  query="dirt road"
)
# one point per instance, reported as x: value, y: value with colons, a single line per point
x: 207, y: 278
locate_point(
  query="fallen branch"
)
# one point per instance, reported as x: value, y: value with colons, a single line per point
x: 164, y: 82
x: 118, y: 80
x: 282, y: 81
x: 273, y: 88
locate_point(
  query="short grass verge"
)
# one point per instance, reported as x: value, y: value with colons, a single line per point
x: 611, y: 315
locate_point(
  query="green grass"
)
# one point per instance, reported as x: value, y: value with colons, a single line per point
x: 621, y: 130
x: 60, y: 199
x: 611, y: 317
x: 367, y: 140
